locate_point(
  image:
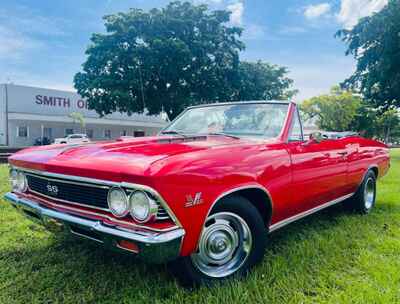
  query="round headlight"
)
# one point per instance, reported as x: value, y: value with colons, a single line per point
x: 142, y: 207
x: 118, y: 202
x: 18, y: 180
x: 22, y: 182
x: 13, y: 179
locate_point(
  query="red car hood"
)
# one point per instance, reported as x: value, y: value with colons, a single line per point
x: 121, y: 157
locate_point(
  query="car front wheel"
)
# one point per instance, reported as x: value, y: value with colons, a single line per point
x: 232, y: 241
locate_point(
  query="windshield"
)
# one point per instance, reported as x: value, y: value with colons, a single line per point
x: 247, y: 120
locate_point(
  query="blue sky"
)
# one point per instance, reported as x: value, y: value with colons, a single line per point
x: 42, y: 43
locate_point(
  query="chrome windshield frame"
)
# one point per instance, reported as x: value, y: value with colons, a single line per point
x: 278, y: 102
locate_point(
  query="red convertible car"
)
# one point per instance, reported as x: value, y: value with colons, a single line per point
x: 203, y: 193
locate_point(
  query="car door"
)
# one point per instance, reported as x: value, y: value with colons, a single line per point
x: 319, y: 169
x: 78, y: 139
x: 75, y: 139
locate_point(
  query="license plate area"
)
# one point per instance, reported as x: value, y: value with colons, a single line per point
x: 53, y: 225
x: 85, y: 233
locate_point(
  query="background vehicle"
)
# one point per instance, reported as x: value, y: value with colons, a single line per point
x: 205, y: 192
x: 42, y: 141
x: 72, y: 139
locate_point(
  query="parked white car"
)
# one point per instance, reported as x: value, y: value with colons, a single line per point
x: 73, y: 139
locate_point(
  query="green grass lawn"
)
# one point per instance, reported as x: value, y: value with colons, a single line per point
x: 331, y: 257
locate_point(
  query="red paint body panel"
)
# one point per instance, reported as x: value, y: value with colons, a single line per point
x: 297, y: 176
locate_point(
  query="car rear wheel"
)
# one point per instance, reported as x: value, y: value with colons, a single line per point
x: 364, y: 199
x: 232, y: 241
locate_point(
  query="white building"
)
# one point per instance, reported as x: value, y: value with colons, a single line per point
x: 28, y: 113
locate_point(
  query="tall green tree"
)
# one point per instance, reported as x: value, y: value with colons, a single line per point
x: 332, y: 112
x: 263, y: 81
x: 375, y: 43
x: 164, y: 59
x: 365, y: 121
x: 169, y: 58
x: 388, y: 124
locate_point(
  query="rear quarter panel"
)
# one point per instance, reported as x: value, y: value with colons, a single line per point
x: 364, y: 154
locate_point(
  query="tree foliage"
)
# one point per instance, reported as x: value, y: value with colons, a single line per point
x: 263, y: 81
x: 169, y: 58
x: 332, y: 112
x: 375, y: 43
x: 345, y: 111
x: 179, y: 55
x: 78, y: 117
x: 388, y: 124
x: 365, y: 121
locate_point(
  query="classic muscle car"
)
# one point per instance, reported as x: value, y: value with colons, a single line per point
x: 204, y: 192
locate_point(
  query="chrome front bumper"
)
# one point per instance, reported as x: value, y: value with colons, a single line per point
x: 154, y: 247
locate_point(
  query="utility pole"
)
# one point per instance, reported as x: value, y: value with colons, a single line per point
x: 7, y: 131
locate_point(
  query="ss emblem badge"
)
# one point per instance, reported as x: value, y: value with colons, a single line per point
x: 52, y: 189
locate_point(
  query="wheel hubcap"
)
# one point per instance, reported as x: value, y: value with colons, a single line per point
x: 369, y: 193
x: 224, y: 245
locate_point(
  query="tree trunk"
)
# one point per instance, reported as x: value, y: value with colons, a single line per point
x: 387, y: 135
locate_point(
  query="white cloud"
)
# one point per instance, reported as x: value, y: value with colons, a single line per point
x: 290, y: 30
x: 29, y: 21
x: 23, y: 29
x: 208, y: 2
x: 13, y: 44
x: 213, y: 1
x: 352, y: 10
x: 253, y: 32
x: 316, y: 11
x: 237, y: 10
x: 311, y: 80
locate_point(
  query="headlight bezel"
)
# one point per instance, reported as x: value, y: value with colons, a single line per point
x: 18, y: 181
x: 12, y: 177
x: 152, y: 207
x: 126, y: 201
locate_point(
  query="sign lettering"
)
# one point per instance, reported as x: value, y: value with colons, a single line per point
x: 62, y: 102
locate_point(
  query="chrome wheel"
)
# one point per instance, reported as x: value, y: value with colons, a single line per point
x: 224, y: 245
x: 369, y: 193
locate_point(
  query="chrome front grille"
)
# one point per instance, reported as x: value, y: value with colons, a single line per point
x: 72, y: 192
x: 94, y: 196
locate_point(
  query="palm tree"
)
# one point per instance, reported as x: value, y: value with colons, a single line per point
x: 78, y: 117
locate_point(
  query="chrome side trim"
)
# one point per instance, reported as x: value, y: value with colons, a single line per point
x: 296, y: 217
x: 84, y: 180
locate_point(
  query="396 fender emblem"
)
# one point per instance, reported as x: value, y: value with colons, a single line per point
x: 190, y: 201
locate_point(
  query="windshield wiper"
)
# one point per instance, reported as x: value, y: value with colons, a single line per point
x: 173, y: 133
x: 223, y: 134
